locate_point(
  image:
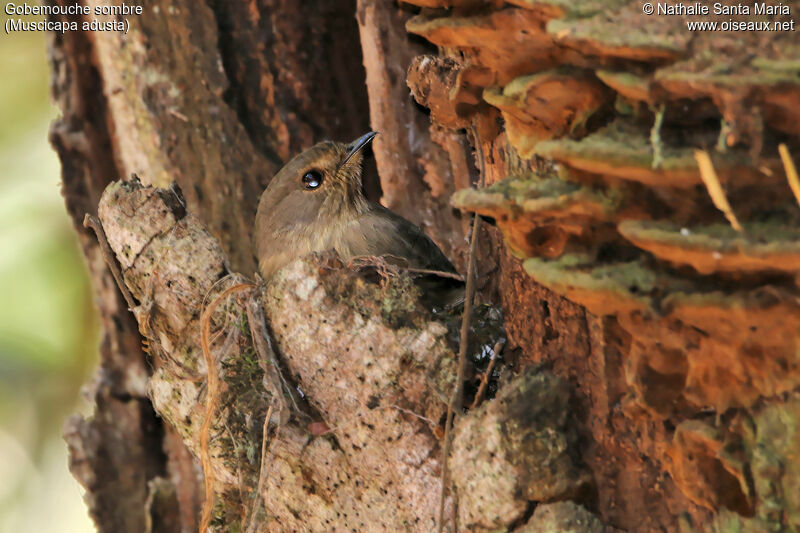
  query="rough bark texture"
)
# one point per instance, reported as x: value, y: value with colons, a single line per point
x: 187, y: 96
x: 375, y: 369
x: 671, y: 337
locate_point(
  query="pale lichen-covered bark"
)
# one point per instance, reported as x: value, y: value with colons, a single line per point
x: 213, y: 95
x: 373, y: 366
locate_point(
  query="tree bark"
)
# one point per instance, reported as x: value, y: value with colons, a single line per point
x: 653, y: 346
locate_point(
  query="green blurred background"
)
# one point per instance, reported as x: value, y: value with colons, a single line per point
x: 48, y: 326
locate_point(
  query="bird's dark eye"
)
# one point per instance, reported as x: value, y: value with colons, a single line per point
x: 312, y: 179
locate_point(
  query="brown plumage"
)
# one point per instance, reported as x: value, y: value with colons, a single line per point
x: 315, y: 203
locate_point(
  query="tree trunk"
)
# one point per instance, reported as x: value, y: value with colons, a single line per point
x: 653, y: 343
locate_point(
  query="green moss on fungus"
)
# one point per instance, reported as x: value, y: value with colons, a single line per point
x: 623, y: 150
x: 761, y: 247
x: 603, y: 289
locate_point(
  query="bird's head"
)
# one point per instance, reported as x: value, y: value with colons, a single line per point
x: 323, y: 181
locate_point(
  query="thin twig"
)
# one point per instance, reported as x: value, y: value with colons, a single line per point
x: 488, y: 374
x: 440, y: 273
x: 261, y: 473
x: 709, y: 177
x: 290, y: 391
x: 456, y: 401
x: 791, y: 171
x: 211, y: 400
x: 267, y: 359
x: 90, y: 221
x: 655, y: 137
x: 177, y: 114
x: 390, y: 268
x: 412, y: 413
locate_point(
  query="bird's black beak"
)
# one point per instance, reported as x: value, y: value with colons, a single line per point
x: 358, y: 144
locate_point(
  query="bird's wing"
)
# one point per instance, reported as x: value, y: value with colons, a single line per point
x: 380, y: 232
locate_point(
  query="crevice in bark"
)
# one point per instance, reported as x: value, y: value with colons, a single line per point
x: 236, y: 65
x: 284, y: 104
x: 118, y: 450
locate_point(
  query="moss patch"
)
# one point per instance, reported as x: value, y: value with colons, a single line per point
x: 623, y: 149
x: 761, y: 247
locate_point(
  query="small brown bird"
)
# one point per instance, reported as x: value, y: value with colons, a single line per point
x: 315, y: 203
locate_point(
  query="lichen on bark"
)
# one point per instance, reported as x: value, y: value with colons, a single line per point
x: 372, y: 363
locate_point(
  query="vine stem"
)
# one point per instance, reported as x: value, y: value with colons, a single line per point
x: 456, y: 400
x: 212, y: 401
